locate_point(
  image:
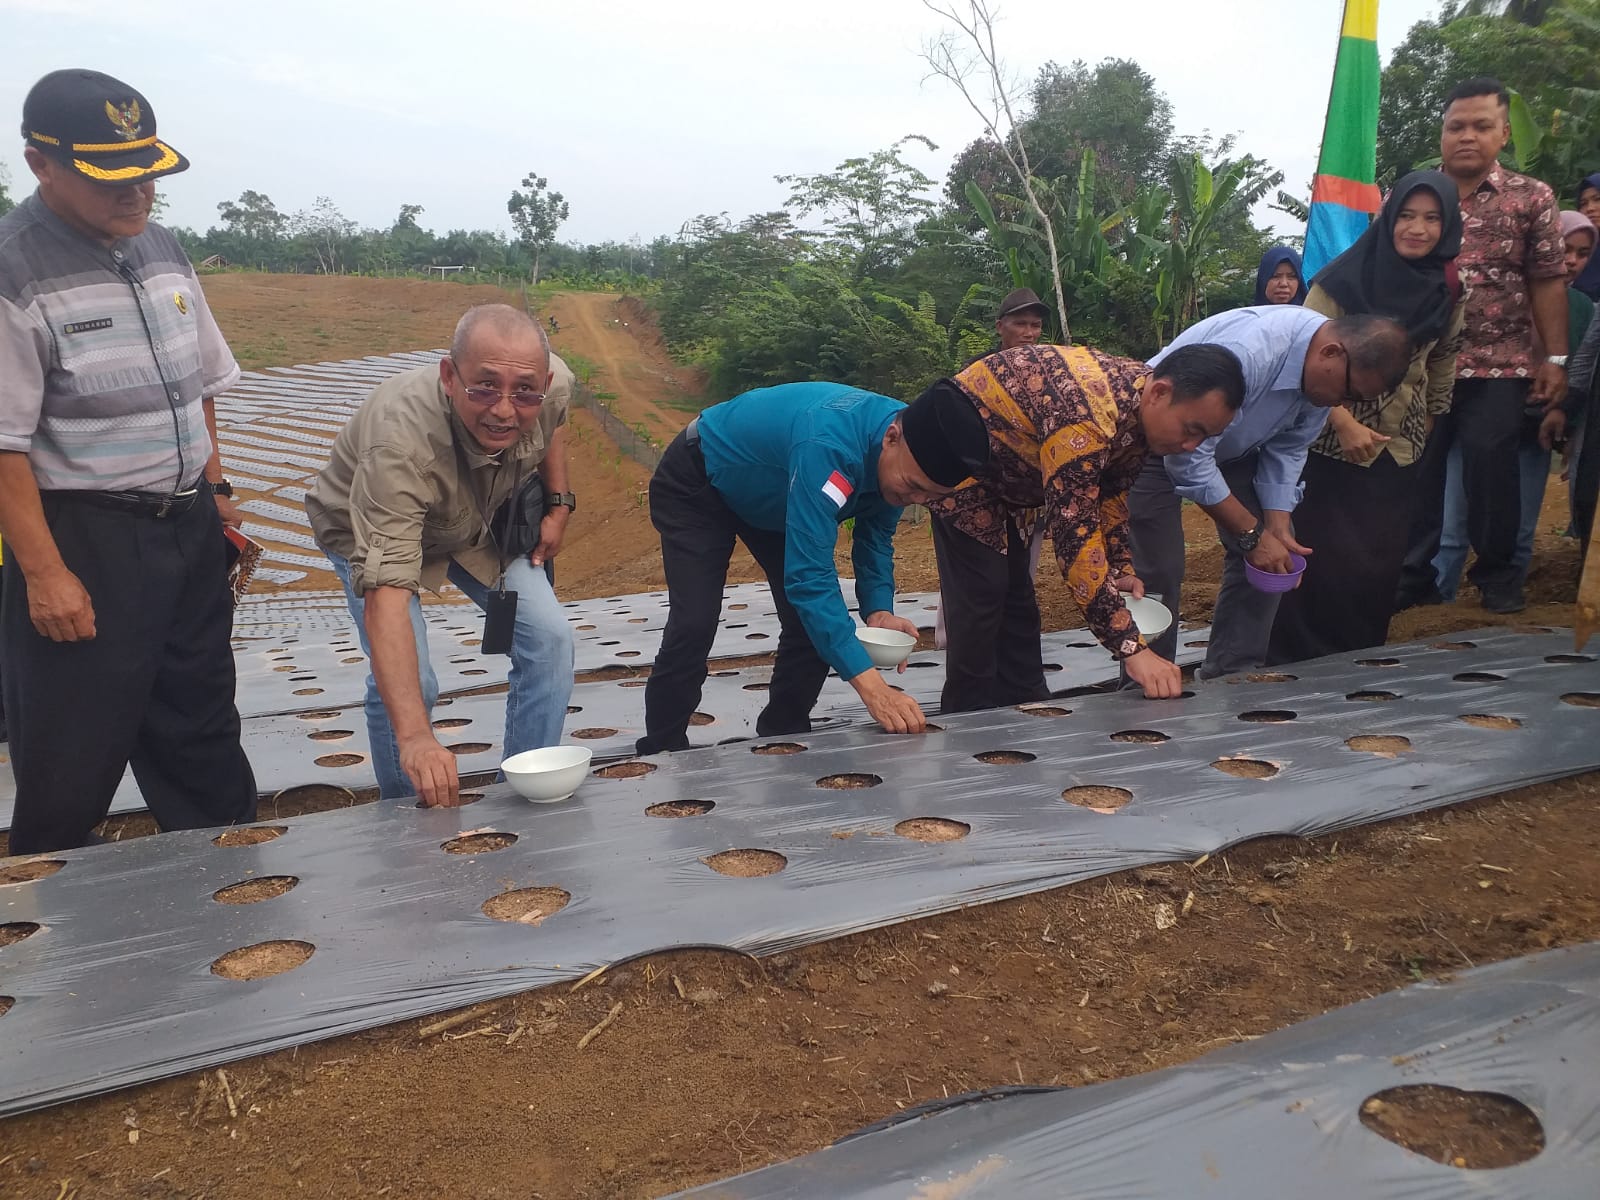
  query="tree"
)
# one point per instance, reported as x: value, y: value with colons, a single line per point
x: 326, y: 232
x: 871, y: 206
x: 6, y: 202
x: 536, y: 213
x: 253, y: 216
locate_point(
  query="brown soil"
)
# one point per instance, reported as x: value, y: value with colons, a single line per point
x: 479, y: 843
x: 251, y: 835
x: 1246, y: 768
x: 468, y: 747
x: 1489, y: 721
x: 1005, y: 758
x: 13, y: 932
x: 262, y: 960
x: 339, y: 760
x: 778, y: 748
x: 1373, y: 697
x: 625, y: 770
x: 746, y: 864
x: 253, y: 891
x: 1268, y: 716
x: 1147, y: 737
x: 333, y: 735
x: 1469, y: 1130
x: 849, y: 780
x: 1098, y: 797
x: 27, y: 872
x: 1386, y: 745
x: 526, y: 906
x: 681, y: 808
x: 1043, y: 710
x: 589, y: 734
x: 1583, y: 699
x: 933, y: 829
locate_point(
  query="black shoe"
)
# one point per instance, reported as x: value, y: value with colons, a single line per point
x: 1504, y: 602
x: 1425, y: 599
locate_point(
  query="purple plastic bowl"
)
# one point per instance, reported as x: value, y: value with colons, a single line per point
x: 1267, y: 581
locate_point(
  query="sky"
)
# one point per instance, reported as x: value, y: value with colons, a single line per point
x: 642, y: 114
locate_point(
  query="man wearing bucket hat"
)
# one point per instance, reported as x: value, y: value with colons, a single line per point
x: 117, y: 613
x: 780, y: 469
x: 1020, y: 321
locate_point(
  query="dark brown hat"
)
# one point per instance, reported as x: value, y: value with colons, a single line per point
x: 99, y: 126
x: 945, y: 434
x: 1017, y: 301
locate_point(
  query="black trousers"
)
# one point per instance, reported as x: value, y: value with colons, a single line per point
x: 697, y: 531
x: 1485, y: 420
x: 154, y: 688
x: 1357, y: 520
x: 991, y: 621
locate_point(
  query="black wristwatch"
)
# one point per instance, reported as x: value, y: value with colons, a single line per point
x: 222, y: 488
x: 557, y: 500
x: 1250, y: 538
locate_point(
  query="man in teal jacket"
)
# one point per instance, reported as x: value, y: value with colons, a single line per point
x: 780, y: 469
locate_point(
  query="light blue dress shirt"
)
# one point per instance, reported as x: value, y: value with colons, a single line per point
x: 1277, y: 418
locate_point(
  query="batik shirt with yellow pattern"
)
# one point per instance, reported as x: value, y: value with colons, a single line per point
x: 1064, y: 437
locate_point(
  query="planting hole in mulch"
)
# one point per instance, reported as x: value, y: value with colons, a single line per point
x: 746, y: 864
x: 1201, y: 644
x: 625, y: 770
x: 1005, y: 758
x: 1097, y: 797
x: 1455, y: 645
x: 1474, y: 1131
x: 262, y: 960
x: 595, y: 732
x: 1143, y: 737
x: 681, y: 808
x: 1385, y: 745
x: 27, y: 872
x: 14, y: 931
x: 452, y: 722
x: 308, y: 691
x: 778, y: 748
x: 1043, y: 710
x: 339, y: 760
x: 850, y: 779
x: 330, y: 735
x: 1246, y: 768
x: 700, y: 718
x: 526, y: 906
x: 1377, y: 662
x: 469, y: 747
x: 249, y: 835
x: 637, y: 683
x: 1270, y: 677
x: 253, y: 891
x: 5, y: 1004
x: 756, y: 687
x: 1490, y: 721
x: 316, y: 716
x: 1569, y: 658
x: 1478, y: 677
x: 1268, y: 716
x: 478, y: 843
x: 574, y: 708
x: 1582, y: 699
x: 933, y: 829
x: 1373, y: 697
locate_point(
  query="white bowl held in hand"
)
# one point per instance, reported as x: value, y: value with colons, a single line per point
x: 887, y: 648
x: 548, y: 775
x: 1151, y: 616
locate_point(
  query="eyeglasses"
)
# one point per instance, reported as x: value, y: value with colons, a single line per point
x: 1351, y: 396
x: 522, y: 397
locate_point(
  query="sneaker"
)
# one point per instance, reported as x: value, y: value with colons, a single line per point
x: 1505, y: 603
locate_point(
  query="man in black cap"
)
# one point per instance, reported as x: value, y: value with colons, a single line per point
x: 780, y: 469
x: 117, y: 614
x: 1020, y: 321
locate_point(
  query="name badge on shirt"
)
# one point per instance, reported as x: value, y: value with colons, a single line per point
x: 87, y: 326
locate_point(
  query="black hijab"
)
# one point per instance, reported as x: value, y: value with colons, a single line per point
x: 1372, y: 277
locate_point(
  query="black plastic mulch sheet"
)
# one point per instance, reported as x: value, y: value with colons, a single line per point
x: 1265, y: 1119
x: 113, y: 980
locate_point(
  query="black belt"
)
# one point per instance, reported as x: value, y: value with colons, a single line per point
x: 138, y: 504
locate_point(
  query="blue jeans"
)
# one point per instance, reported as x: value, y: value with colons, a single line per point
x: 541, y: 668
x: 1533, y: 469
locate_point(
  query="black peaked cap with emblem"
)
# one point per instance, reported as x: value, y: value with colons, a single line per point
x: 99, y: 126
x: 945, y: 434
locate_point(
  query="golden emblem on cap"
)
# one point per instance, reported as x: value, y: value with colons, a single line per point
x: 125, y: 118
x: 183, y: 305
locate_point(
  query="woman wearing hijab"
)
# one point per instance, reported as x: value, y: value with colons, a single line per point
x: 1588, y: 201
x: 1278, y: 278
x: 1362, y: 476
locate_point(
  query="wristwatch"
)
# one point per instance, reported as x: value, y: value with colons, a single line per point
x: 1557, y: 360
x: 1250, y: 538
x: 557, y: 500
x: 222, y: 488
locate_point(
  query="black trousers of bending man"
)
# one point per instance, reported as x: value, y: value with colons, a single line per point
x: 154, y: 688
x: 697, y: 531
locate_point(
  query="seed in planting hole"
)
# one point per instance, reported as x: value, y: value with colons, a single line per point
x: 14, y: 931
x: 1270, y: 677
x: 249, y: 835
x: 27, y: 872
x: 1097, y: 797
x: 308, y: 691
x: 452, y: 722
x: 1582, y: 699
x: 478, y: 843
x: 701, y: 718
x: 746, y: 864
x: 1569, y: 658
x: 262, y: 960
x: 1455, y: 645
x: 316, y: 716
x: 1043, y: 710
x: 1478, y: 677
x: 933, y: 829
x: 1386, y: 745
x: 340, y: 760
x: 1267, y: 716
x: 625, y: 770
x: 330, y: 735
x: 469, y: 747
x: 1373, y: 697
x: 681, y: 808
x: 850, y: 779
x: 594, y: 732
x: 1005, y: 758
x: 1473, y: 1131
x: 1491, y: 721
x: 252, y: 891
x: 756, y: 687
x: 778, y: 748
x: 1141, y: 737
x: 1377, y: 662
x: 1246, y: 768
x: 526, y: 906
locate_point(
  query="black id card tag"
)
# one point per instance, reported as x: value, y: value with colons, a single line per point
x: 499, y: 621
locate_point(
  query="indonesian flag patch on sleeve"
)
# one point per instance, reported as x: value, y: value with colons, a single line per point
x: 838, y: 489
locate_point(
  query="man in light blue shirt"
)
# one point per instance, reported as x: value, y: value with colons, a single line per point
x: 1297, y: 365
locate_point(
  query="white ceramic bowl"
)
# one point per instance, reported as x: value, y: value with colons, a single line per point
x: 887, y: 648
x: 548, y: 775
x: 1151, y: 616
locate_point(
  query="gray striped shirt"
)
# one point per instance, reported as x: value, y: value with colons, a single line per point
x: 105, y: 354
